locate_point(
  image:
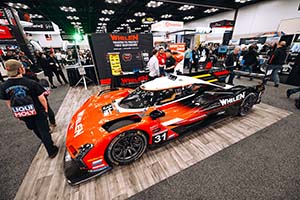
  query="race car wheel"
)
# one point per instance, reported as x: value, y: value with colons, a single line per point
x: 247, y: 104
x: 127, y: 147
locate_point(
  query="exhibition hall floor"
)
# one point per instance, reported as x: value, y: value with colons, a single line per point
x: 255, y: 157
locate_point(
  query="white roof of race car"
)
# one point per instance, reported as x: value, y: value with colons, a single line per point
x: 167, y: 82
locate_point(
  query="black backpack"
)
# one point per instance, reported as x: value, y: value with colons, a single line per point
x: 21, y: 103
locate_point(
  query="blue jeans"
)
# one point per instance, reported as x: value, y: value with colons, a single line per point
x: 275, y: 70
x: 246, y: 68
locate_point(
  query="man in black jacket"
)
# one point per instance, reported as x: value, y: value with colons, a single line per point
x: 56, y: 68
x: 232, y: 63
x: 276, y: 61
x: 289, y: 92
x: 250, y: 60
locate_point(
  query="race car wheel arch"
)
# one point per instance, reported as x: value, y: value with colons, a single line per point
x: 126, y: 147
x: 247, y: 104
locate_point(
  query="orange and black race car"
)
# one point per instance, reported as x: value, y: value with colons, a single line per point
x: 116, y: 126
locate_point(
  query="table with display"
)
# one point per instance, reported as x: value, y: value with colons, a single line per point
x: 74, y: 76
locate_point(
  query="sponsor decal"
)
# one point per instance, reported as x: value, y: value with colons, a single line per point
x: 78, y: 125
x: 127, y: 57
x: 233, y: 99
x: 107, y: 109
x: 24, y: 111
x: 134, y: 80
x: 97, y: 162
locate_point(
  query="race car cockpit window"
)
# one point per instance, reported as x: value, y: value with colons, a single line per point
x: 138, y: 99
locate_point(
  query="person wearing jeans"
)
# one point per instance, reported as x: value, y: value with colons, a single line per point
x: 232, y: 63
x: 275, y: 62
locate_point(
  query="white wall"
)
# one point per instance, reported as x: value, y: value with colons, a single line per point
x: 264, y: 17
x: 204, y: 22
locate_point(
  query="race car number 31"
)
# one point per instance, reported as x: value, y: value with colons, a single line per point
x: 159, y: 137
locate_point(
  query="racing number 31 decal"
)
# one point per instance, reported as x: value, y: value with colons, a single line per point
x: 159, y: 137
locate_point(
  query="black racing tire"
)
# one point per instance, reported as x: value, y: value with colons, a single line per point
x: 120, y: 124
x: 247, y: 104
x: 126, y: 147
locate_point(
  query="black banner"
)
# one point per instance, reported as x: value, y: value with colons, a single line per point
x: 134, y: 50
x: 40, y: 26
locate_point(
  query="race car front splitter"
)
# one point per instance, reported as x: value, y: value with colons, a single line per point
x: 75, y: 175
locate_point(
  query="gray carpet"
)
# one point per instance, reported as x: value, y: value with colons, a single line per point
x: 18, y: 146
x: 265, y: 165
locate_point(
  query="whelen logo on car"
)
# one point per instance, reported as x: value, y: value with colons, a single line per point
x: 78, y: 125
x: 233, y: 99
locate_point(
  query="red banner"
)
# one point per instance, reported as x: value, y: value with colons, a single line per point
x: 5, y: 33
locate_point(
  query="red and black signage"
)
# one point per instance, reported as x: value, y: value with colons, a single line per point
x: 222, y: 24
x: 5, y: 33
x: 130, y: 47
x: 40, y: 26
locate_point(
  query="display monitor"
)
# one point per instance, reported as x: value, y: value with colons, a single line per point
x: 222, y: 49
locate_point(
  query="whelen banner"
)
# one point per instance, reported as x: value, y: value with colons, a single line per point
x: 131, y: 48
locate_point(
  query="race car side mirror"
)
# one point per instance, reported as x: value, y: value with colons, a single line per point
x: 156, y: 114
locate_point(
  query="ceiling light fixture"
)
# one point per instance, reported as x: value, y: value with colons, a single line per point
x: 144, y: 25
x: 35, y: 16
x: 17, y: 5
x: 188, y: 17
x: 108, y: 12
x: 104, y: 19
x: 102, y: 24
x: 67, y: 9
x: 140, y: 14
x: 154, y: 4
x: 137, y: 28
x: 166, y: 16
x: 113, y: 1
x: 130, y: 20
x: 242, y: 1
x: 72, y: 17
x: 186, y: 7
x: 211, y: 10
x: 124, y: 24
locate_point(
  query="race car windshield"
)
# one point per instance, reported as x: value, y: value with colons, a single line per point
x: 138, y: 99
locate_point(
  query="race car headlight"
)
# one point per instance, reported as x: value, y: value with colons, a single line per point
x: 83, y: 150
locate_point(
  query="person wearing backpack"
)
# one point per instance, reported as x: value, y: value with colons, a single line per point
x: 27, y: 102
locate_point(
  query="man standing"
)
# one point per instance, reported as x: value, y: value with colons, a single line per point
x: 161, y: 61
x: 170, y: 62
x: 153, y: 66
x: 187, y: 57
x: 26, y: 99
x: 194, y: 59
x: 276, y: 61
x: 232, y: 63
x: 56, y: 68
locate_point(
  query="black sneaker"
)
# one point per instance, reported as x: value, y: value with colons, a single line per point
x: 53, y: 87
x: 276, y: 85
x: 55, y: 153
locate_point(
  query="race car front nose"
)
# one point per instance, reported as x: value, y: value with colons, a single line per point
x: 75, y: 174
